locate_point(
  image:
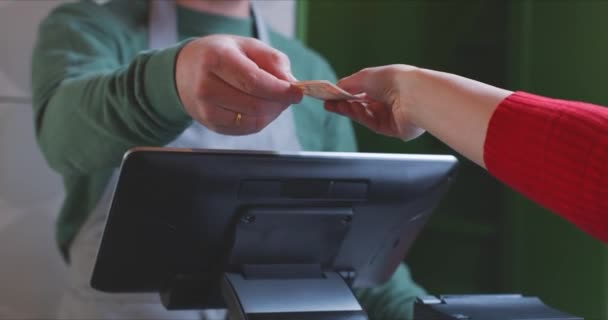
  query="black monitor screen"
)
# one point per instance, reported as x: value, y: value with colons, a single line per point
x: 182, y: 215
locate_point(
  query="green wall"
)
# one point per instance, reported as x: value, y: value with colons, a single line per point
x: 558, y: 49
x: 484, y: 238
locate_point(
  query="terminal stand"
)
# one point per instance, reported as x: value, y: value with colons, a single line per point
x: 326, y: 297
x: 277, y: 260
x: 277, y: 268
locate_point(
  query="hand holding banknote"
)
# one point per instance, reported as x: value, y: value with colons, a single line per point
x: 234, y: 85
x: 325, y: 90
x: 390, y: 105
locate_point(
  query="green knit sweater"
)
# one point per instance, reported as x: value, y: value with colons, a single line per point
x: 98, y: 92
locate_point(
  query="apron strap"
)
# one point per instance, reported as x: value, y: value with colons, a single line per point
x: 162, y: 24
x: 259, y: 25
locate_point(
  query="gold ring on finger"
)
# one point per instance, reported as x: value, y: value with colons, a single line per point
x: 237, y: 119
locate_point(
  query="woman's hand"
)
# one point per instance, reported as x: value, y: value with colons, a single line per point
x: 390, y: 92
x: 404, y: 100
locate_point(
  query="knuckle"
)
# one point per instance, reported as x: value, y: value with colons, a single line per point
x: 367, y: 71
x: 210, y: 57
x: 394, y: 78
x: 223, y: 51
x: 279, y: 57
x: 248, y: 81
x: 386, y: 72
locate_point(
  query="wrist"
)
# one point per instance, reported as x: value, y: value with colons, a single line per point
x: 161, y: 88
x: 414, y: 85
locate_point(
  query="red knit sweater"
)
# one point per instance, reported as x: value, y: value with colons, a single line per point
x: 556, y: 153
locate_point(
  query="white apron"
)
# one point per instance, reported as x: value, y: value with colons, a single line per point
x: 81, y: 301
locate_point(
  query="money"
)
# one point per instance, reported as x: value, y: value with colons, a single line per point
x: 325, y: 90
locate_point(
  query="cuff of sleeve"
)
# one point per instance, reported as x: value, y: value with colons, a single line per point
x: 516, y: 138
x: 160, y: 86
x: 554, y: 152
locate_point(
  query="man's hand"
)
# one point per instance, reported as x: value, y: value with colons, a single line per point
x: 234, y: 85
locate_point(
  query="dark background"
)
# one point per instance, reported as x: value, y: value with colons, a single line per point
x: 484, y: 238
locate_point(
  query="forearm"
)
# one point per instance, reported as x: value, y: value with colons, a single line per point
x: 554, y: 152
x: 89, y: 121
x: 456, y: 110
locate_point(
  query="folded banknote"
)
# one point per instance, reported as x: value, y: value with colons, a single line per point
x: 325, y: 90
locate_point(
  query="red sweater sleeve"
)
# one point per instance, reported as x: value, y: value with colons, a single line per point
x: 556, y: 153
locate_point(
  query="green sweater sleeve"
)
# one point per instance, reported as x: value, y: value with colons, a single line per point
x: 89, y: 105
x: 393, y: 300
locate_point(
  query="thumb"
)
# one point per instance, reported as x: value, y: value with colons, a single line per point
x: 267, y: 58
x: 363, y: 81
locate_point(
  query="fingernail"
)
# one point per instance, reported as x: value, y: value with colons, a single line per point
x: 296, y: 96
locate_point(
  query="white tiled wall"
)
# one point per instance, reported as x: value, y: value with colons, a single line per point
x: 31, y: 272
x: 18, y: 24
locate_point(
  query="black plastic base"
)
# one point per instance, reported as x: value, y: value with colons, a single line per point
x: 486, y: 307
x: 341, y: 315
x: 326, y: 297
